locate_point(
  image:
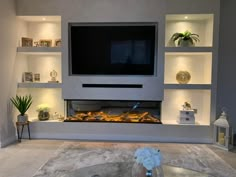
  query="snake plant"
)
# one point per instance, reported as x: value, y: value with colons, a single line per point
x: 22, y: 103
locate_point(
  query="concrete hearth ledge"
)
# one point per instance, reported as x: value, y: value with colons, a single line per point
x: 121, y: 132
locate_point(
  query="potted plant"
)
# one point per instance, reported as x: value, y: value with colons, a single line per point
x: 43, y: 111
x: 185, y: 39
x: 22, y: 103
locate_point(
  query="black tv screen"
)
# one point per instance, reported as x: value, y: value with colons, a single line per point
x: 112, y: 49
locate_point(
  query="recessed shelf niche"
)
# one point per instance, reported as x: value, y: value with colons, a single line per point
x: 201, y: 24
x: 174, y: 99
x: 197, y: 64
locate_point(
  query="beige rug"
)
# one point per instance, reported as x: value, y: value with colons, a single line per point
x: 72, y: 156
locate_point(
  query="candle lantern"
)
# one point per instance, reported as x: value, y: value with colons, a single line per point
x: 223, y: 133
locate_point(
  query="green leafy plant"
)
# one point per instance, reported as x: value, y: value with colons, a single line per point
x: 22, y: 103
x: 185, y: 36
x: 43, y: 107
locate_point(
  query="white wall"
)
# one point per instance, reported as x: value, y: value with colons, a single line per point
x: 226, y: 96
x: 8, y: 36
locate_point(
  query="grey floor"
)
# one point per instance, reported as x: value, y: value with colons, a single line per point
x: 25, y: 158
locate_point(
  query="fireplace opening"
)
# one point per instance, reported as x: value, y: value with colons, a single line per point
x: 113, y: 111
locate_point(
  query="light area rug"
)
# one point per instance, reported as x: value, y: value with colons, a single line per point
x: 71, y: 156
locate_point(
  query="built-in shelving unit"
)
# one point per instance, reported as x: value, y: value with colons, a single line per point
x: 41, y: 60
x: 196, y: 60
x: 201, y: 17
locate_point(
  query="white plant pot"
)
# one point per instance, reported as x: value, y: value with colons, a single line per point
x: 23, y: 118
x: 185, y: 43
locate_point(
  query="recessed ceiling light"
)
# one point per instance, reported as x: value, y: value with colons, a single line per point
x: 43, y: 18
x: 186, y: 17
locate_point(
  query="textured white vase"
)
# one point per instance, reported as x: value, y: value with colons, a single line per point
x: 185, y: 43
x: 23, y: 118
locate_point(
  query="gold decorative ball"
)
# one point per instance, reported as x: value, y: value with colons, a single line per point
x: 183, y: 77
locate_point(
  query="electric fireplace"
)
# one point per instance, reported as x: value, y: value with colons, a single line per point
x: 113, y: 111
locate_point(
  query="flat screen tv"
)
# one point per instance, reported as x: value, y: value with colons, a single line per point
x: 112, y: 48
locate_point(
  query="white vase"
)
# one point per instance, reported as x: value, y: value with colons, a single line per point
x: 186, y: 43
x: 139, y: 170
x: 23, y: 118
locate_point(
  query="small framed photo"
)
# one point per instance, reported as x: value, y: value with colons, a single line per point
x: 26, y: 42
x: 27, y: 77
x: 36, y: 77
x: 45, y: 43
x: 58, y: 43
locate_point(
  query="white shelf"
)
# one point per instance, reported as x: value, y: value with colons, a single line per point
x: 188, y: 86
x: 40, y: 18
x: 175, y: 122
x: 39, y: 85
x: 48, y: 121
x: 39, y: 50
x: 181, y: 17
x: 188, y: 49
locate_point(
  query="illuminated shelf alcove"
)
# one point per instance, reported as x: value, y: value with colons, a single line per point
x: 197, y: 64
x: 39, y: 60
x: 174, y: 99
x: 201, y: 24
x: 50, y: 96
x: 39, y: 28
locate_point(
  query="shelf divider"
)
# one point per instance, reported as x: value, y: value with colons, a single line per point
x: 188, y: 86
x: 39, y: 85
x: 188, y: 49
x: 39, y: 50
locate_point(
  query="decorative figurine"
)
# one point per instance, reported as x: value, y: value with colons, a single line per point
x: 53, y: 75
x: 186, y: 106
x: 186, y: 115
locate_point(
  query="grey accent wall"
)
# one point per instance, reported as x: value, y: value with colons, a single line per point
x: 226, y: 94
x: 7, y: 58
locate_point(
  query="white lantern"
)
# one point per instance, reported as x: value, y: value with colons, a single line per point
x: 223, y: 133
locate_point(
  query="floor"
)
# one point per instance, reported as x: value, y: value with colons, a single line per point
x: 25, y: 158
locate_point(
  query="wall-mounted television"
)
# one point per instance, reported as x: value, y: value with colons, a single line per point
x: 112, y: 48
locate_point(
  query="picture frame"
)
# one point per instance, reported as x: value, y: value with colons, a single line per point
x: 58, y: 43
x: 36, y: 77
x: 26, y: 42
x: 36, y: 43
x: 27, y: 77
x: 45, y: 43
